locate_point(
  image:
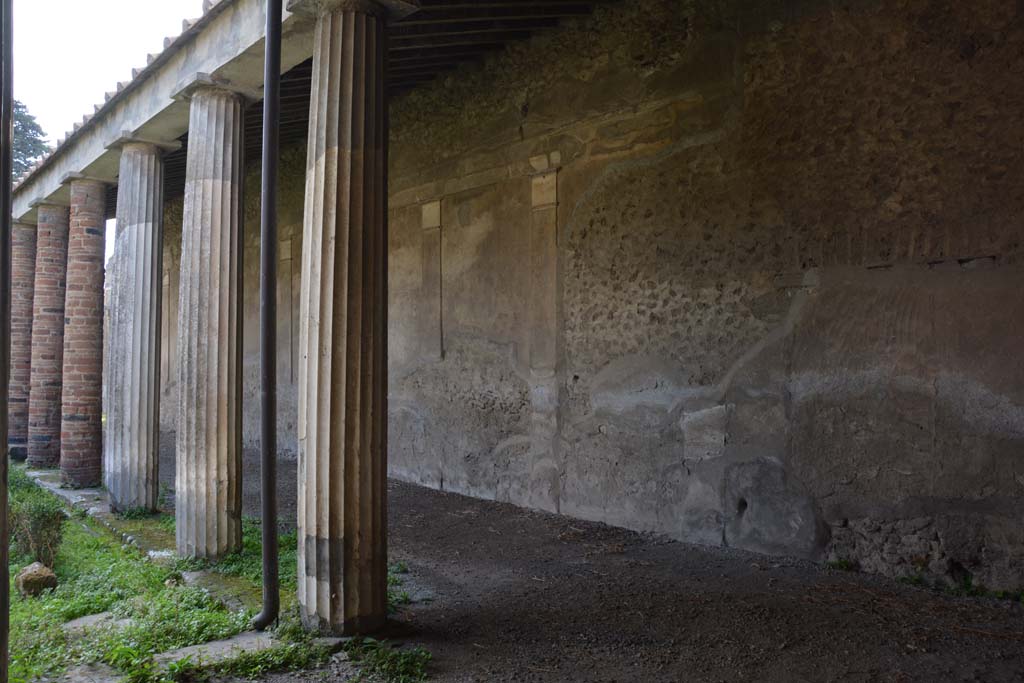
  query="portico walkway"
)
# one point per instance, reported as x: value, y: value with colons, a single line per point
x: 502, y: 594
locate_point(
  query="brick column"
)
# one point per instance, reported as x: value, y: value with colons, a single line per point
x: 47, y: 336
x: 343, y: 330
x: 23, y: 274
x: 81, y: 436
x: 132, y: 404
x: 208, y: 486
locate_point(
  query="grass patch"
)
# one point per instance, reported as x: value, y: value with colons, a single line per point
x: 380, y: 661
x: 252, y: 665
x: 842, y: 565
x: 914, y: 580
x: 97, y: 575
x: 36, y: 519
x: 296, y: 651
x: 136, y: 513
x: 966, y: 589
x: 175, y: 617
x: 396, y: 596
x: 248, y: 562
x: 166, y: 522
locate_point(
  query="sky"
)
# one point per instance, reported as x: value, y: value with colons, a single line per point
x: 68, y: 53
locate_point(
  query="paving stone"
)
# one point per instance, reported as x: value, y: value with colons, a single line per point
x: 236, y: 593
x: 77, y: 627
x: 91, y: 673
x: 219, y: 650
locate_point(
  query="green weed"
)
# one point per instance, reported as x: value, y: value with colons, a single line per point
x: 248, y: 562
x: 380, y: 661
x: 842, y: 565
x: 36, y: 519
x: 914, y: 580
x: 97, y: 575
x: 136, y: 513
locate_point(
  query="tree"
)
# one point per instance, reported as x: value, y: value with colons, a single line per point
x: 29, y: 140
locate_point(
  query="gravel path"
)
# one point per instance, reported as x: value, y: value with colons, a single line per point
x: 508, y: 595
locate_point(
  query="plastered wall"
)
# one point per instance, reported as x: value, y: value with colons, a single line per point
x: 744, y: 277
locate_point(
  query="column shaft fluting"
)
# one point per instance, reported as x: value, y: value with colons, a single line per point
x: 81, y: 433
x: 47, y: 337
x: 208, y: 484
x: 23, y: 274
x: 132, y: 400
x: 342, y: 366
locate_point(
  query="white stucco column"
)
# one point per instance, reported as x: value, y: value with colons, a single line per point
x: 343, y: 331
x: 208, y: 486
x: 132, y: 392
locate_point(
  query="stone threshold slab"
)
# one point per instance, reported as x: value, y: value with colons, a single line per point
x: 205, y: 655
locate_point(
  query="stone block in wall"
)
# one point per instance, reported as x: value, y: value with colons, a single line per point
x: 767, y: 511
x: 704, y: 433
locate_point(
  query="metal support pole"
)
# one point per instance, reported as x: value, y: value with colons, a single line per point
x: 268, y: 312
x: 6, y: 159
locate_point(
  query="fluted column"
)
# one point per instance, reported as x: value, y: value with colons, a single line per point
x: 23, y: 273
x: 132, y: 400
x: 343, y: 345
x: 208, y: 484
x: 47, y: 336
x: 81, y: 440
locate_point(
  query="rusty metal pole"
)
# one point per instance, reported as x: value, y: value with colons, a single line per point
x: 268, y: 313
x: 6, y: 159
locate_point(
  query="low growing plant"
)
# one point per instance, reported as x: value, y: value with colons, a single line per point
x: 842, y: 565
x: 136, y: 513
x: 36, y: 519
x: 380, y: 661
x: 248, y: 562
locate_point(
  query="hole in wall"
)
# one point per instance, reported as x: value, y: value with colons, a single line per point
x: 741, y: 507
x: 960, y: 574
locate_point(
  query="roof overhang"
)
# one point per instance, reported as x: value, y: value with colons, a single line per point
x: 226, y: 44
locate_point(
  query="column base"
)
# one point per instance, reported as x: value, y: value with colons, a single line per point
x: 73, y: 482
x: 359, y: 626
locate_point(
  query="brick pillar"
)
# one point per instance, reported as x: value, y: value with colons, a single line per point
x: 81, y: 436
x: 23, y: 274
x: 208, y: 485
x: 131, y: 446
x: 47, y: 336
x: 342, y: 417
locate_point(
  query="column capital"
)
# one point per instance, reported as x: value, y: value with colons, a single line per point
x: 69, y: 178
x: 186, y: 90
x: 127, y: 138
x: 52, y: 202
x: 389, y: 9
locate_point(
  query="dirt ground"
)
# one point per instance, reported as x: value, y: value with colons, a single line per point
x: 503, y: 594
